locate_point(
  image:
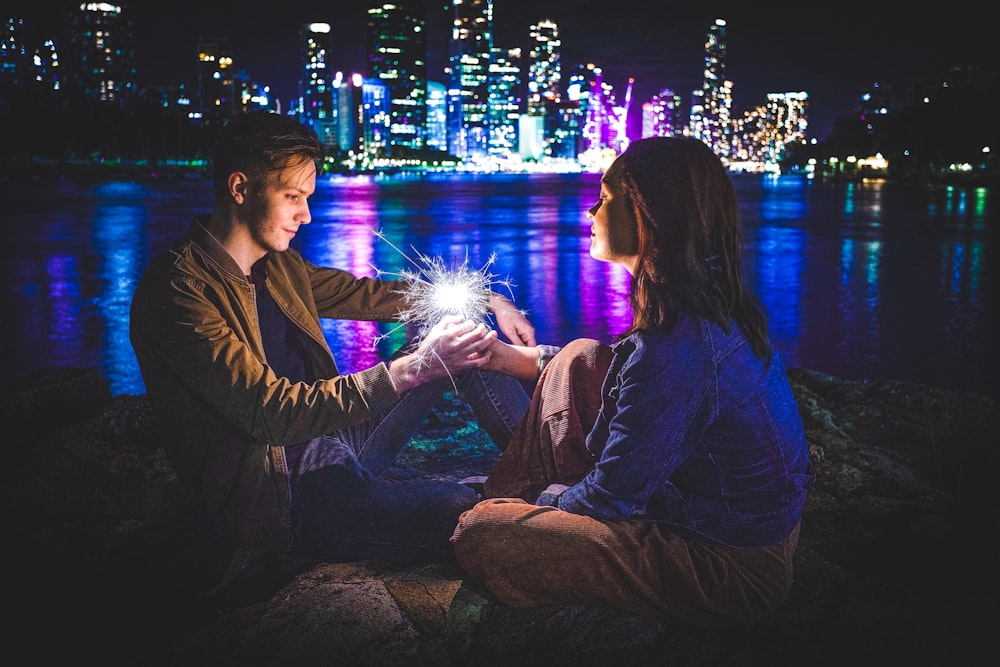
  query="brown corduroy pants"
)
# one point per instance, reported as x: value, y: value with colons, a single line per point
x: 526, y: 555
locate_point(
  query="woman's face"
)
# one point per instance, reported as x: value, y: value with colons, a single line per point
x: 614, y: 234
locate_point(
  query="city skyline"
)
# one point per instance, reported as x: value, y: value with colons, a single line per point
x: 832, y: 55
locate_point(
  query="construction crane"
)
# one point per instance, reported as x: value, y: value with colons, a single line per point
x: 621, y: 119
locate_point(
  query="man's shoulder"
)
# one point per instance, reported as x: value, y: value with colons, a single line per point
x: 184, y: 262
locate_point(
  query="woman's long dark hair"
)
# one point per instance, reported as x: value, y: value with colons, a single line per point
x: 690, y: 243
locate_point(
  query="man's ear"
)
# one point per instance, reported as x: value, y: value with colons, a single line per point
x: 238, y: 184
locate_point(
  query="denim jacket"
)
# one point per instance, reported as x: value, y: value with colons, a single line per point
x: 221, y: 413
x: 698, y: 433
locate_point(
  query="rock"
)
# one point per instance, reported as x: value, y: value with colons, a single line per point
x: 107, y: 562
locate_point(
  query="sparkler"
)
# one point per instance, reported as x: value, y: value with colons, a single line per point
x: 434, y: 291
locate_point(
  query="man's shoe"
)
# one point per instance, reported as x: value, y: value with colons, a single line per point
x: 476, y: 483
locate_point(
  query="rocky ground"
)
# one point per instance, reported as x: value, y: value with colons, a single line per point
x: 106, y: 564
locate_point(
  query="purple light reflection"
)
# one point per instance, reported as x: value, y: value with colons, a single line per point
x: 342, y: 235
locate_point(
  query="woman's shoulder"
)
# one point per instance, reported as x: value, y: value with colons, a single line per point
x: 687, y: 328
x: 691, y: 336
x: 658, y: 344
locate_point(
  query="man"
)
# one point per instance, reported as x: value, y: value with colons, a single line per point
x: 279, y: 449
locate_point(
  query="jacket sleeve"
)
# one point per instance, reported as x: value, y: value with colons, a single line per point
x: 657, y: 419
x: 341, y: 295
x: 189, y: 338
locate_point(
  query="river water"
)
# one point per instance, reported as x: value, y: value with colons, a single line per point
x: 867, y: 280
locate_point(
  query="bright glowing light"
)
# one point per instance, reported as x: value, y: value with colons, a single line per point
x: 434, y: 291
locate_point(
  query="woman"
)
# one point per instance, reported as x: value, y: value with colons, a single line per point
x: 674, y: 488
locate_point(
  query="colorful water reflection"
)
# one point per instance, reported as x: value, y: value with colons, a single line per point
x: 862, y: 280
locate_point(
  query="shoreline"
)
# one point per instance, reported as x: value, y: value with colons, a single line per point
x: 36, y: 169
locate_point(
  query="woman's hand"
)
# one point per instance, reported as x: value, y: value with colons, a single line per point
x: 512, y: 322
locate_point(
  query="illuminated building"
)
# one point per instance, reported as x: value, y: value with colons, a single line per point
x: 788, y: 115
x: 347, y: 97
x: 760, y: 139
x: 316, y: 106
x: 375, y: 116
x: 252, y: 95
x: 696, y: 117
x: 544, y: 84
x: 397, y: 56
x: 872, y: 102
x: 584, y: 89
x: 530, y: 138
x: 216, y: 88
x: 602, y: 120
x: 664, y: 115
x: 563, y: 129
x: 647, y: 120
x: 14, y: 48
x: 544, y: 71
x: 504, y: 103
x: 436, y: 135
x: 711, y: 107
x: 29, y: 64
x: 468, y: 90
x: 101, y: 52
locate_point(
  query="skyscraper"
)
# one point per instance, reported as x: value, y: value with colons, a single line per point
x: 216, y: 86
x: 787, y: 114
x: 544, y: 70
x: 375, y: 121
x: 468, y: 88
x: 504, y: 102
x: 437, y: 116
x: 711, y: 110
x: 762, y: 137
x: 665, y: 114
x: 29, y: 62
x: 316, y: 104
x: 397, y: 56
x: 101, y: 52
x: 544, y: 81
x: 347, y: 92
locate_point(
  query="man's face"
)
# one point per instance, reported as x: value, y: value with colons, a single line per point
x: 275, y: 209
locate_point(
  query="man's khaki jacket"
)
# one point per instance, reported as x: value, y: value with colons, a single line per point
x: 221, y: 413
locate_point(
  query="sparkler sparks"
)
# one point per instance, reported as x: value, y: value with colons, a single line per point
x: 434, y: 291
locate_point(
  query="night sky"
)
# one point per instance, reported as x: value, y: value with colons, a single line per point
x: 832, y: 51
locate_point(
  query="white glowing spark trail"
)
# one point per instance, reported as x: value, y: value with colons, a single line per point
x: 434, y: 291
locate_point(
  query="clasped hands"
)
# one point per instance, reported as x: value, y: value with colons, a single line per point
x: 459, y: 345
x: 455, y: 344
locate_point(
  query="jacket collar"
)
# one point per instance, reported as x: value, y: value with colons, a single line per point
x: 201, y: 237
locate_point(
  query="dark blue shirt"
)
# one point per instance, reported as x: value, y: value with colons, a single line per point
x: 282, y: 341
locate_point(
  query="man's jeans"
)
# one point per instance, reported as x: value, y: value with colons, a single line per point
x: 342, y: 510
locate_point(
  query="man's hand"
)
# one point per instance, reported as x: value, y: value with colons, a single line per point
x: 452, y: 345
x: 512, y: 322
